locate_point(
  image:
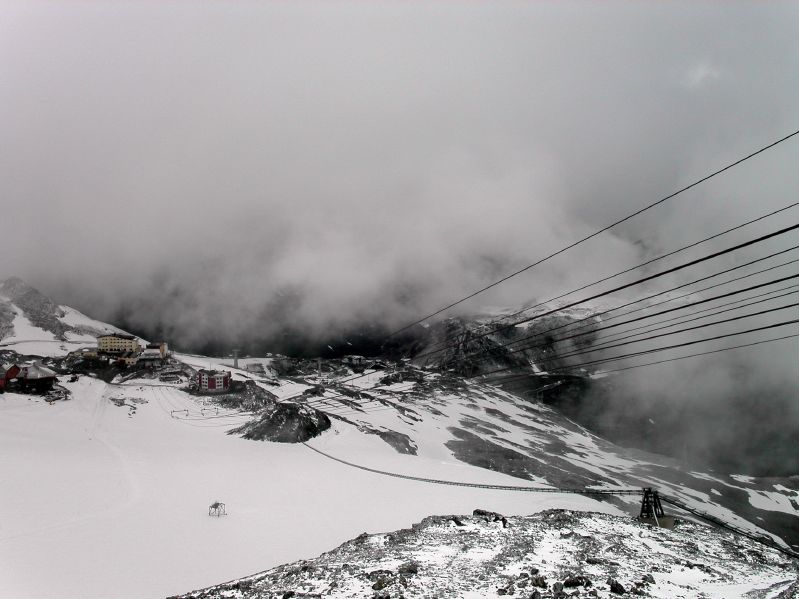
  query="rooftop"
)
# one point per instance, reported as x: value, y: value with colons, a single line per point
x: 37, y: 371
x: 214, y: 372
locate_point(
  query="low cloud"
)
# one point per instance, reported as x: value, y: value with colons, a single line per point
x: 235, y: 171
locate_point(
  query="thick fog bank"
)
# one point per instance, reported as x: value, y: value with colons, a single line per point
x: 288, y: 176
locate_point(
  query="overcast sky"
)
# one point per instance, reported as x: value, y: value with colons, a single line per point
x: 224, y: 165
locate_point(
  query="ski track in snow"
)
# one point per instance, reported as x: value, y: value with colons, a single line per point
x: 113, y: 495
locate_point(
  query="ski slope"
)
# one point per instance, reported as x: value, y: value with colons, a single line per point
x: 28, y: 339
x: 112, y: 500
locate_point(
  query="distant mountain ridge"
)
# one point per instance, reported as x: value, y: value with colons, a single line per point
x: 29, y: 316
x: 37, y: 307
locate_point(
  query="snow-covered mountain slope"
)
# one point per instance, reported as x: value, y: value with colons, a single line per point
x: 551, y: 554
x: 116, y: 482
x: 440, y: 416
x: 32, y: 324
x: 112, y: 493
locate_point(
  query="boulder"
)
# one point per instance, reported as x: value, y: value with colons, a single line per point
x: 616, y: 587
x: 286, y: 423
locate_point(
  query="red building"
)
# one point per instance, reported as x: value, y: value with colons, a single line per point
x: 7, y: 372
x: 213, y: 381
x: 28, y: 377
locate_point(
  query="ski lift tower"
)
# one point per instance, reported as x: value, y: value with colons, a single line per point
x: 236, y: 358
x: 652, y: 510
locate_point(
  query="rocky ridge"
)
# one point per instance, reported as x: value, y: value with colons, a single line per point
x: 62, y: 322
x: 553, y: 554
x: 36, y: 306
x: 285, y: 423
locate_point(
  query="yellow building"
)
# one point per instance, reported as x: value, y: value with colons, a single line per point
x: 118, y: 343
x: 128, y: 358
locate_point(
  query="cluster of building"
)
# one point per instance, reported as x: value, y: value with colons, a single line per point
x: 360, y: 361
x: 126, y: 349
x: 115, y: 348
x: 30, y: 376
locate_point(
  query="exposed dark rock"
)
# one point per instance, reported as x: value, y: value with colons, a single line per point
x: 577, y: 581
x: 539, y: 581
x: 616, y: 587
x: 409, y: 568
x: 381, y: 583
x: 286, y: 423
x: 37, y: 307
x: 243, y: 394
x: 479, y: 451
x: 314, y: 391
x: 6, y: 320
x: 401, y: 442
x: 491, y: 517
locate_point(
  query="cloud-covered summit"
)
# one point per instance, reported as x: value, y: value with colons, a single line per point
x: 205, y: 169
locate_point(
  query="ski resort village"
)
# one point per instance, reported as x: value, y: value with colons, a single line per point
x: 198, y: 469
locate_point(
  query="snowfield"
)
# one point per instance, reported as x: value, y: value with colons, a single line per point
x: 79, y: 320
x: 486, y: 426
x: 107, y: 495
x: 24, y: 330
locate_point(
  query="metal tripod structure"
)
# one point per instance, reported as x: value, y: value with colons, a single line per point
x: 651, y: 508
x: 217, y: 508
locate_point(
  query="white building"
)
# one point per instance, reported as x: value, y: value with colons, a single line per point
x: 213, y: 381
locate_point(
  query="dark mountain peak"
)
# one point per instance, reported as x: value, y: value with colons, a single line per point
x: 13, y: 287
x: 37, y: 307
